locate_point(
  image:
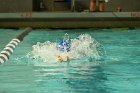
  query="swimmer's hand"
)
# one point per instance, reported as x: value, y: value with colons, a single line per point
x: 62, y: 57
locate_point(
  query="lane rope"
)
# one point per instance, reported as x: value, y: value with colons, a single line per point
x: 9, y: 48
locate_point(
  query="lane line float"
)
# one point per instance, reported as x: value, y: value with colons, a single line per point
x: 9, y: 48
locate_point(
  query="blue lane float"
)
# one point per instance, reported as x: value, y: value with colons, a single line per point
x: 9, y: 48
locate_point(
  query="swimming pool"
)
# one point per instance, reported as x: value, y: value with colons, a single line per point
x: 118, y: 72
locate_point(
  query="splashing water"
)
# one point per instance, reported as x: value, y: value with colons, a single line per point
x: 81, y: 47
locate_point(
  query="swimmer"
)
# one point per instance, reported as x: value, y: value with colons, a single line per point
x: 64, y: 47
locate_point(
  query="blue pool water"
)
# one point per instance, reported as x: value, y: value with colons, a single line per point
x: 117, y: 72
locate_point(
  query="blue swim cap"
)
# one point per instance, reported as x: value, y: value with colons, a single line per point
x: 63, y: 45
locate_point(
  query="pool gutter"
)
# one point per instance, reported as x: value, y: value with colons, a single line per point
x: 70, y: 19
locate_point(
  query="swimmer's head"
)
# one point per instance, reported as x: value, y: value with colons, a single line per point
x: 63, y: 46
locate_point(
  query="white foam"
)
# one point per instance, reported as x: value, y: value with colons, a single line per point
x: 82, y: 46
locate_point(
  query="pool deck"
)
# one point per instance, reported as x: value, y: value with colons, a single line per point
x: 70, y: 19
